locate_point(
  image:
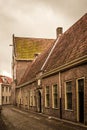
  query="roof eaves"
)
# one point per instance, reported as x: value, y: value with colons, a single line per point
x: 68, y: 65
x: 26, y: 83
x: 19, y: 59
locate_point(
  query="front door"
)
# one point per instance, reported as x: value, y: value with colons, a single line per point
x: 39, y: 101
x: 80, y: 102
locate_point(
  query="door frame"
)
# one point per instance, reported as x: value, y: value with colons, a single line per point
x: 77, y: 96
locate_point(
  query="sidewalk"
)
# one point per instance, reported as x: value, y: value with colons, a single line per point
x: 50, y: 117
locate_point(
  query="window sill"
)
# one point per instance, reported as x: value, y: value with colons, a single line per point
x: 47, y: 107
x: 69, y: 110
x: 55, y: 108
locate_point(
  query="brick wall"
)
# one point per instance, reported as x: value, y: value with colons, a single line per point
x: 69, y: 75
x: 73, y: 75
x: 50, y: 81
x: 21, y: 67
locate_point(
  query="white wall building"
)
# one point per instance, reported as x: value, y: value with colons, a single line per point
x: 5, y: 90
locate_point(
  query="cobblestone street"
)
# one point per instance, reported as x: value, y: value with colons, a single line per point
x: 2, y: 125
x: 15, y: 119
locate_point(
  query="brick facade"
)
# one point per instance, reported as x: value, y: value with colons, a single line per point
x: 59, y: 76
x: 71, y: 75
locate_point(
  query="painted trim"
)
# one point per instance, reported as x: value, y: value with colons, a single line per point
x: 50, y: 53
x: 26, y: 83
x: 68, y: 65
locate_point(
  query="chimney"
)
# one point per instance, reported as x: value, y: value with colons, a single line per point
x: 36, y: 55
x: 59, y: 31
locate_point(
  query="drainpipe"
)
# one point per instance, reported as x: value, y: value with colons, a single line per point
x: 60, y: 95
x: 0, y: 94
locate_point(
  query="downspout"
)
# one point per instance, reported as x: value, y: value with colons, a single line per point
x: 60, y: 95
x: 0, y: 94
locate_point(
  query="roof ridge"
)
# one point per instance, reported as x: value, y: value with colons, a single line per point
x: 37, y: 38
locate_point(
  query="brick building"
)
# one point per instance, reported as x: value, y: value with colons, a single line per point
x: 56, y: 82
x: 25, y: 51
x: 5, y: 90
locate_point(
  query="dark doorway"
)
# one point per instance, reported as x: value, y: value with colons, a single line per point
x: 39, y: 102
x: 81, y: 100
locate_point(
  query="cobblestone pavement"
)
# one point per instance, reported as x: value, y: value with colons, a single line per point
x: 15, y: 119
x: 2, y: 124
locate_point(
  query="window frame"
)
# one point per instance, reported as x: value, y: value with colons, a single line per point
x: 32, y: 98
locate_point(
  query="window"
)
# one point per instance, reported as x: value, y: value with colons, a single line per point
x: 6, y: 89
x: 9, y: 98
x: 68, y: 102
x: 3, y: 89
x: 55, y: 96
x: 6, y: 99
x: 2, y: 99
x: 9, y: 89
x: 32, y: 97
x: 47, y: 100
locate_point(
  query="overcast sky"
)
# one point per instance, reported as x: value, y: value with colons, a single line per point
x: 34, y: 18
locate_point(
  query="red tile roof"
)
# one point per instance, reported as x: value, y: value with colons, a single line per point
x: 5, y: 79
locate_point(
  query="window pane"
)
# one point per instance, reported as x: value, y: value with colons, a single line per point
x: 55, y: 96
x: 81, y: 85
x: 47, y: 89
x: 55, y: 100
x: 55, y: 89
x: 69, y: 101
x: 69, y: 86
x: 47, y: 97
x: 69, y: 95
